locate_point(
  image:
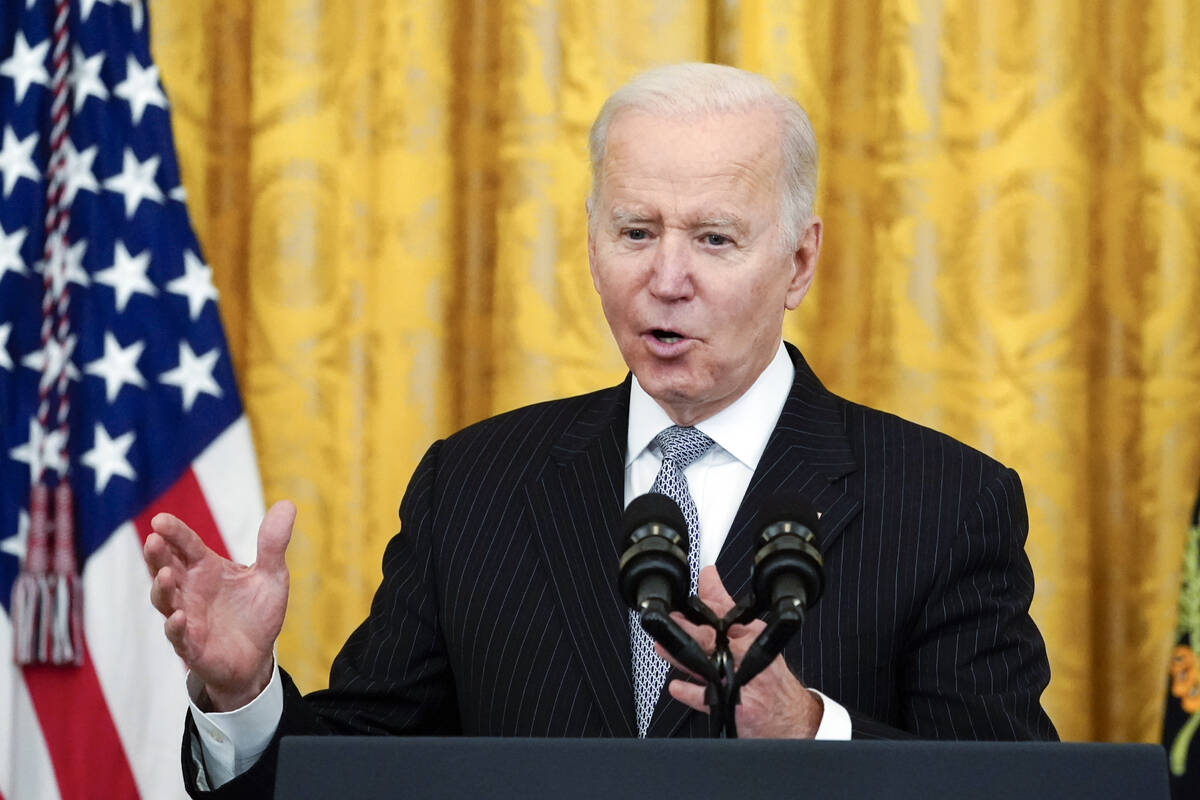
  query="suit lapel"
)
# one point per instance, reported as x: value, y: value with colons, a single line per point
x: 806, y: 457
x: 575, y: 505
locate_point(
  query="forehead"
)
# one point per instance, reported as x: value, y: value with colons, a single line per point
x: 726, y: 159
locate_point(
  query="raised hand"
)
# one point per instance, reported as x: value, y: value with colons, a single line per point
x: 775, y: 704
x: 222, y: 618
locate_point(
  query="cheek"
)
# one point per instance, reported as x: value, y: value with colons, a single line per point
x: 617, y: 284
x: 744, y: 316
x: 615, y: 299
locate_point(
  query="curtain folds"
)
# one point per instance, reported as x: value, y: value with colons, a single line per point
x: 391, y: 197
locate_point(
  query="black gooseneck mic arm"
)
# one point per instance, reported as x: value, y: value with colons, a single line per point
x: 657, y: 621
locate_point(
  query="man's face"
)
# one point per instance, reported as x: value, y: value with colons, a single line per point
x: 686, y: 253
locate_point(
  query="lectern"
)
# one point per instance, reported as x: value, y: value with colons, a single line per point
x: 373, y: 768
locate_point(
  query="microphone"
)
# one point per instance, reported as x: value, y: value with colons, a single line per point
x: 655, y: 577
x: 788, y: 578
x: 654, y: 567
x: 788, y: 570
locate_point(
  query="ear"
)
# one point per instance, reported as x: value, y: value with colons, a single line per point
x: 591, y: 248
x: 804, y: 263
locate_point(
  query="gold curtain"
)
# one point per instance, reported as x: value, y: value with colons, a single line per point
x: 391, y: 197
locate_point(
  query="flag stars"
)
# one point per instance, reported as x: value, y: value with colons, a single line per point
x: 137, y: 14
x: 26, y: 66
x: 78, y: 171
x: 16, y: 544
x: 68, y: 268
x: 195, y: 284
x: 85, y: 77
x: 5, y: 358
x: 72, y: 266
x: 118, y: 366
x: 41, y: 451
x: 10, y: 252
x: 86, y: 7
x: 136, y: 182
x: 140, y: 88
x: 16, y: 159
x: 109, y: 457
x: 194, y: 375
x: 127, y: 275
x: 52, y: 360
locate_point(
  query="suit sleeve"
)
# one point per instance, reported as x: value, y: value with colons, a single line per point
x: 975, y: 664
x: 391, y: 677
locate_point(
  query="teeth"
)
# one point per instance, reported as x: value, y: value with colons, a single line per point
x: 667, y: 336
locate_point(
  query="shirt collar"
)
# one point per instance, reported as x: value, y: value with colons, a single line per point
x: 742, y: 429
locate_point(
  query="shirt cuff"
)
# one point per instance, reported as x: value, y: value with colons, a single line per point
x: 232, y: 741
x: 835, y: 721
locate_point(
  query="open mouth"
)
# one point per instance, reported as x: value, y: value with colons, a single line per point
x: 668, y: 337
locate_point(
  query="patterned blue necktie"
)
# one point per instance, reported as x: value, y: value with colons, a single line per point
x: 680, y: 447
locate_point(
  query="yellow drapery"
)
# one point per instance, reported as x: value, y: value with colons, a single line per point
x: 391, y: 197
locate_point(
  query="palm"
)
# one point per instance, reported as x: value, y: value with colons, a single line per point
x: 222, y: 617
x: 233, y: 615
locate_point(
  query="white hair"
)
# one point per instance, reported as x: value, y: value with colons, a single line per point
x: 694, y: 89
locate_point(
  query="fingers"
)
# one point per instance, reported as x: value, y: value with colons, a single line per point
x: 186, y: 543
x: 158, y: 554
x: 703, y: 635
x: 163, y: 591
x: 690, y: 694
x: 274, y: 534
x: 712, y: 591
x: 665, y: 656
x: 175, y: 628
x: 748, y: 631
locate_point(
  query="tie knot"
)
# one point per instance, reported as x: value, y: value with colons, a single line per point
x: 682, y: 445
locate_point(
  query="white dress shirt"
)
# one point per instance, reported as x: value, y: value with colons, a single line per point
x: 232, y: 741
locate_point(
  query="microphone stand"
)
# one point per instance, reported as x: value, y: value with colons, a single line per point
x: 723, y: 692
x: 783, y: 622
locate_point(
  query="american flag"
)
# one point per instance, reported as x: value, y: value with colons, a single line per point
x: 115, y: 375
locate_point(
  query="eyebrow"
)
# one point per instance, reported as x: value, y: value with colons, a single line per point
x: 731, y: 221
x: 722, y: 222
x: 623, y: 216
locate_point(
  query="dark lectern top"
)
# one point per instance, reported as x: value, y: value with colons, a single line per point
x: 738, y: 769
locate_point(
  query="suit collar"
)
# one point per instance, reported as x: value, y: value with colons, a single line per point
x: 575, y: 506
x: 807, y: 456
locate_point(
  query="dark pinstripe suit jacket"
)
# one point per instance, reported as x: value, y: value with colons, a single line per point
x: 498, y: 614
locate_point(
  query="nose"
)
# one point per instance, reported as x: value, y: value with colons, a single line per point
x: 671, y: 269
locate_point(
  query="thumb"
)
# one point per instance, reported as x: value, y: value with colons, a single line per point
x: 274, y: 534
x: 712, y: 591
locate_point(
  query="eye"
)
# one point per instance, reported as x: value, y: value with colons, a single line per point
x: 716, y: 240
x: 637, y: 234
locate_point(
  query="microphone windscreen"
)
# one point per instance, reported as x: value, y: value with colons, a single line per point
x: 782, y: 508
x: 653, y: 507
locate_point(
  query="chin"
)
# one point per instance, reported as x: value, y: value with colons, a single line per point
x: 671, y: 389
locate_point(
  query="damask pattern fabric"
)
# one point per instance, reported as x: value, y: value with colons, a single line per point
x: 391, y: 198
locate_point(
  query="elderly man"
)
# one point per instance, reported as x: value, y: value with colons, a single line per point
x: 499, y: 614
